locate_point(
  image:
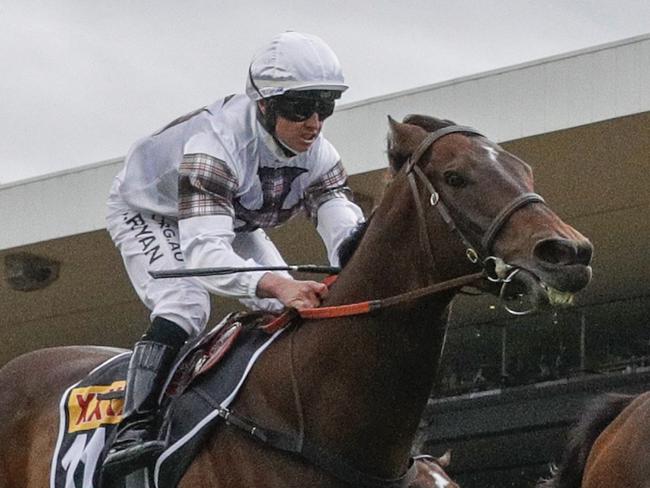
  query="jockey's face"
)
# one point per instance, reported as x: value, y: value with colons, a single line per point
x: 299, y: 119
x: 299, y: 136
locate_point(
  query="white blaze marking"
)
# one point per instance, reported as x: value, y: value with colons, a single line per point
x: 441, y: 482
x: 492, y: 153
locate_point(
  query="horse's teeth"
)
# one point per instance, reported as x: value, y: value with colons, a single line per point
x: 556, y: 297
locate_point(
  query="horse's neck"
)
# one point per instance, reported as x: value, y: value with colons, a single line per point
x: 371, y: 375
x: 388, y: 261
x: 391, y: 258
x: 364, y: 381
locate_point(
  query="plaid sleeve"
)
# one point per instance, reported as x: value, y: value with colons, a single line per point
x: 332, y: 184
x: 206, y: 186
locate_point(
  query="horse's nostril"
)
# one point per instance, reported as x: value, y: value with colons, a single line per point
x: 563, y: 252
x: 585, y: 253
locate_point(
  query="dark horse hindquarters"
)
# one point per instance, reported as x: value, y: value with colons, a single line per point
x: 608, y: 446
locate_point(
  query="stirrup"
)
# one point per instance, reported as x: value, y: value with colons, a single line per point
x: 128, y: 455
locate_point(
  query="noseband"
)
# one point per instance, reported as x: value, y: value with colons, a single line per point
x: 496, y: 270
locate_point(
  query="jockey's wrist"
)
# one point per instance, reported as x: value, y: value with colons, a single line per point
x: 270, y: 285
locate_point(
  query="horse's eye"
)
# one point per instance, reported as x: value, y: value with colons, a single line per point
x: 454, y: 179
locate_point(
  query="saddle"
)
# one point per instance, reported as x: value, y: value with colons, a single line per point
x: 203, y: 354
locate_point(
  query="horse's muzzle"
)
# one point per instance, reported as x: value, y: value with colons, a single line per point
x: 563, y: 264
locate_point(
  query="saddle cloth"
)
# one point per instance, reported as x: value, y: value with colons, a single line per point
x: 91, y: 409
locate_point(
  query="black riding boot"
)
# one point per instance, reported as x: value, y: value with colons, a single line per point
x: 138, y: 439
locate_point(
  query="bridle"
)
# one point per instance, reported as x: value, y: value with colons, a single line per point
x: 491, y: 267
x: 494, y: 268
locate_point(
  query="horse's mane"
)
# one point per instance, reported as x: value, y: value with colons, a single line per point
x: 598, y: 414
x: 430, y: 124
x: 350, y: 244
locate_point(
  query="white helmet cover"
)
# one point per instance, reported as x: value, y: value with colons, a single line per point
x: 294, y: 61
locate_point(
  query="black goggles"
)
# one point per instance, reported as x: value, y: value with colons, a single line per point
x: 298, y: 109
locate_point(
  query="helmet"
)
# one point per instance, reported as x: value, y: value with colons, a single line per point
x: 293, y: 61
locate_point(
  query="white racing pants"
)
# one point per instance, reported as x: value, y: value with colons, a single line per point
x: 149, y: 242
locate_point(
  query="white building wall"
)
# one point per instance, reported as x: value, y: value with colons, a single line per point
x: 533, y: 98
x: 56, y: 205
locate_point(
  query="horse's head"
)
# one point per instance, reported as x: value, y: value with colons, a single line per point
x: 486, y: 196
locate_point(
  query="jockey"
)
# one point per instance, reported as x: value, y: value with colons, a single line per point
x: 200, y: 192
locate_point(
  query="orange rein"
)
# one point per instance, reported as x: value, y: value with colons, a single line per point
x: 361, y: 308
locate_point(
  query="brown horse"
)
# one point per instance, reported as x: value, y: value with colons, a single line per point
x: 431, y: 472
x: 608, y: 447
x: 354, y: 386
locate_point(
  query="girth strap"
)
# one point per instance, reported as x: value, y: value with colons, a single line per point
x: 336, y: 465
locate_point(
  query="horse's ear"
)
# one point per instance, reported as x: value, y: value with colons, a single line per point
x: 403, y: 139
x: 445, y: 459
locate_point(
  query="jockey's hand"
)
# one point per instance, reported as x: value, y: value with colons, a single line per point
x: 292, y: 293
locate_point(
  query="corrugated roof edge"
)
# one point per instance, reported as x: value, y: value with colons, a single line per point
x: 496, y: 71
x: 63, y: 172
